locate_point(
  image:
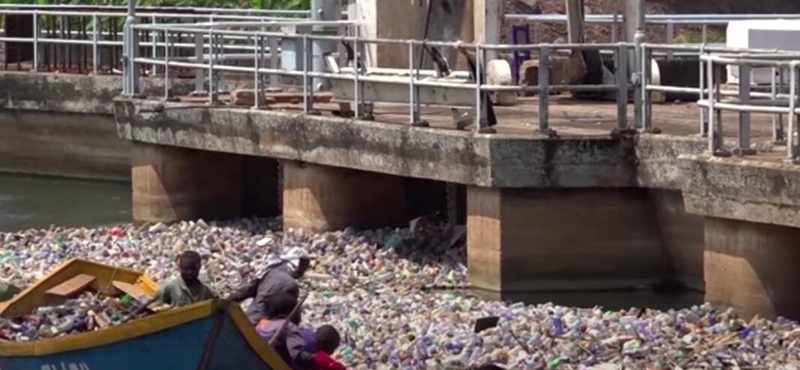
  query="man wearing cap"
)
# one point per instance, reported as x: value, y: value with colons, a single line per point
x: 280, y: 278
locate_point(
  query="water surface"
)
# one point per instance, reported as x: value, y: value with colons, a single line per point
x: 38, y: 202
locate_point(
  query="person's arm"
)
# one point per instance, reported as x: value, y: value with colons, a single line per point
x: 249, y: 290
x: 160, y: 296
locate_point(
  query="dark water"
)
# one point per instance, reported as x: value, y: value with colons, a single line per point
x: 38, y: 202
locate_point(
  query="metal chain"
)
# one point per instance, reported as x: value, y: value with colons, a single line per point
x: 452, y: 210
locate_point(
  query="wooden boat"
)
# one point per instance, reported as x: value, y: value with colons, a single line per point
x: 211, y: 335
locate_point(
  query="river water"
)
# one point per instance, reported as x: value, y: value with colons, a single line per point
x: 38, y: 202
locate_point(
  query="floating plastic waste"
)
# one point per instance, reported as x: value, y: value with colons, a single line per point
x: 391, y: 295
x: 88, y: 312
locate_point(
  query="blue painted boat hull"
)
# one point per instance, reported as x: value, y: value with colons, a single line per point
x: 211, y: 343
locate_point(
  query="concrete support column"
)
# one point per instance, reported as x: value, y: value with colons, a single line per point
x: 488, y: 23
x: 683, y: 236
x: 172, y: 184
x: 753, y: 267
x: 322, y: 198
x: 523, y: 240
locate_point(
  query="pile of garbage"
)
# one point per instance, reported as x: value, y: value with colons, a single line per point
x: 397, y: 298
x: 88, y: 312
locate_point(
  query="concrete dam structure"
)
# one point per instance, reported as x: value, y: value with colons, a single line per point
x: 556, y: 193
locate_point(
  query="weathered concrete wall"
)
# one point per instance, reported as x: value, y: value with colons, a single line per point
x: 563, y: 239
x: 452, y: 156
x: 63, y: 144
x: 740, y: 189
x: 172, y: 184
x: 63, y: 125
x: 657, y: 163
x: 323, y: 198
x: 753, y: 267
x: 71, y: 93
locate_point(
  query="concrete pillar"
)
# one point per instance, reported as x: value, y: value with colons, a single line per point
x: 488, y: 23
x: 406, y: 20
x: 524, y: 240
x: 753, y: 267
x: 172, y: 184
x: 325, y: 198
x: 683, y: 236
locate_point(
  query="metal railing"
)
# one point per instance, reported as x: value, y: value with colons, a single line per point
x: 264, y: 67
x: 90, y: 38
x: 668, y: 21
x: 712, y: 97
x: 775, y: 102
x: 218, y: 43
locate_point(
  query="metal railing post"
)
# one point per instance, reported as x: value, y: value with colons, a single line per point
x: 544, y: 88
x: 95, y: 43
x: 790, y: 138
x: 130, y: 75
x: 412, y: 88
x: 154, y: 46
x: 622, y: 82
x: 356, y: 82
x: 167, y: 87
x: 744, y: 117
x: 647, y: 101
x: 638, y: 64
x: 777, y: 119
x: 212, y: 58
x: 35, y: 40
x: 614, y: 29
x: 702, y: 93
x: 479, y: 116
x: 704, y: 34
x: 711, y: 111
x: 274, y: 62
x: 257, y: 91
x: 199, y: 74
x: 308, y: 89
x: 670, y: 37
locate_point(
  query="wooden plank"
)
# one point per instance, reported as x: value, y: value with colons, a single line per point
x: 247, y: 97
x: 72, y: 286
x: 132, y: 290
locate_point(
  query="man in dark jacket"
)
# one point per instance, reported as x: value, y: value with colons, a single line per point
x: 279, y: 278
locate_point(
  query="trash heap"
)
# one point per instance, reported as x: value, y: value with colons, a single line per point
x: 88, y: 312
x: 395, y: 296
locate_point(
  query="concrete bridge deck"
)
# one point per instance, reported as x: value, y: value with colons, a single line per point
x: 585, y: 211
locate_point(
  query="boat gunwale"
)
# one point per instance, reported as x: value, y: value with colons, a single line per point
x: 136, y: 328
x: 65, y: 266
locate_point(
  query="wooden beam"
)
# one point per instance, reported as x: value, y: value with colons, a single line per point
x: 72, y: 286
x: 132, y: 290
